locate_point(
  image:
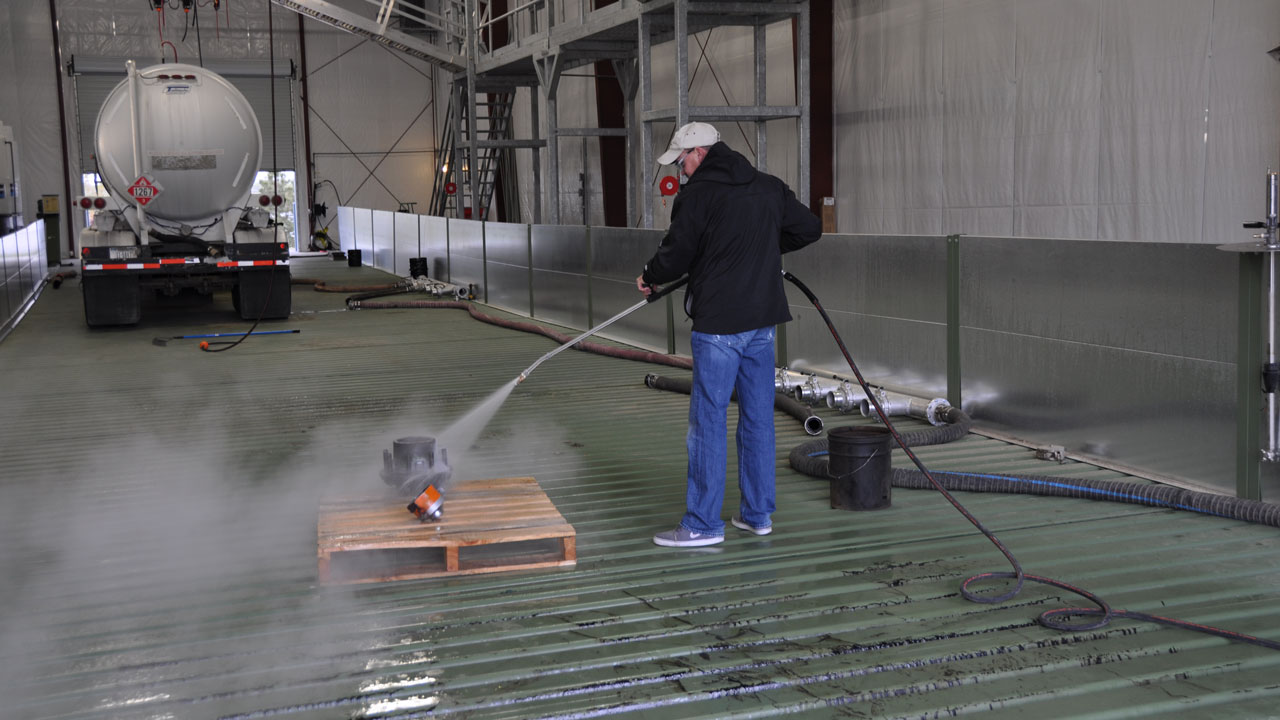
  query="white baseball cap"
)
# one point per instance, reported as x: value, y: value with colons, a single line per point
x: 690, y: 136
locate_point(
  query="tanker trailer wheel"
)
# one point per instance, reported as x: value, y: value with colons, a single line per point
x: 266, y: 294
x: 111, y: 300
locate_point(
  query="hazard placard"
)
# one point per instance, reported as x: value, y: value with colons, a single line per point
x: 144, y: 190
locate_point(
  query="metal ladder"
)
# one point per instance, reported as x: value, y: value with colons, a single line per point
x: 493, y: 163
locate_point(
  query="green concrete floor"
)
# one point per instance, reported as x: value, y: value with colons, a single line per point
x: 158, y: 511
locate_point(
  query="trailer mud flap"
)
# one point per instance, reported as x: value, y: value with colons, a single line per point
x: 265, y: 294
x: 111, y: 300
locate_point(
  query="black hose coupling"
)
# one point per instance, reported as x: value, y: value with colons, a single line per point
x: 1270, y: 377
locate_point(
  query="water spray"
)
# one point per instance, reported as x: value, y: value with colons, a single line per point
x: 413, y: 461
x: 651, y: 297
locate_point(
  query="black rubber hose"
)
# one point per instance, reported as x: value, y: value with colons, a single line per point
x: 812, y: 423
x: 57, y: 279
x: 586, y: 346
x: 958, y: 424
x: 322, y: 286
x: 1155, y: 495
x: 354, y: 300
x: 810, y: 458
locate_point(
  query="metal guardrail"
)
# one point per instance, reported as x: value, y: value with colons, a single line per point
x: 408, y: 27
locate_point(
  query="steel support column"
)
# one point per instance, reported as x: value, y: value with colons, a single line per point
x: 644, y: 60
x: 537, y: 156
x: 762, y: 155
x: 1250, y: 352
x: 625, y: 71
x: 954, y: 377
x: 803, y: 90
x: 548, y: 69
x: 473, y: 155
x: 681, y: 39
x: 456, y: 162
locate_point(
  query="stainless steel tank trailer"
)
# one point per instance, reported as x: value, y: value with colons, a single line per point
x: 178, y: 149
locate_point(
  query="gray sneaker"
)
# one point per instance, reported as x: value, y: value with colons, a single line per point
x: 683, y: 537
x: 738, y: 523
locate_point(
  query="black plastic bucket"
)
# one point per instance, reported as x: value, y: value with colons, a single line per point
x: 858, y: 462
x: 353, y: 257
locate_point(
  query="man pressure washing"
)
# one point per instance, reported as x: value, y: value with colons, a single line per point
x: 730, y: 225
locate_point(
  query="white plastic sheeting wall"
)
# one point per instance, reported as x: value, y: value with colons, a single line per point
x: 375, y: 123
x: 29, y: 99
x: 1150, y: 120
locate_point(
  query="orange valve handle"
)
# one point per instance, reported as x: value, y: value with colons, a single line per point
x: 427, y: 505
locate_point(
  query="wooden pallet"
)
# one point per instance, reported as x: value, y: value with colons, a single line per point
x: 505, y: 524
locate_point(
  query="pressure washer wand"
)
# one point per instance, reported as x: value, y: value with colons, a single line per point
x: 653, y: 296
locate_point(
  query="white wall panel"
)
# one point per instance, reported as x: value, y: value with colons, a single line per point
x: 374, y: 125
x: 1154, y: 92
x: 1132, y: 120
x: 29, y: 101
x: 1244, y: 122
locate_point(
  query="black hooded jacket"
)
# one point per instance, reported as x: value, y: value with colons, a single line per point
x: 730, y: 225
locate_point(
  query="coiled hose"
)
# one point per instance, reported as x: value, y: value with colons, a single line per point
x: 1056, y: 619
x: 812, y: 423
x: 357, y: 302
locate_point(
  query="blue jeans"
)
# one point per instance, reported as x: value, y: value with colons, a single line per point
x: 721, y: 364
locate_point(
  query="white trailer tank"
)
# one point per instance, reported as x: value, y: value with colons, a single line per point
x: 178, y: 147
x: 192, y: 133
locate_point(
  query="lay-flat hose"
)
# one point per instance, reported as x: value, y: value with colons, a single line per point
x: 1055, y: 619
x: 812, y: 423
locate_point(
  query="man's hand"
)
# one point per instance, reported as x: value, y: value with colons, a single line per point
x: 645, y: 288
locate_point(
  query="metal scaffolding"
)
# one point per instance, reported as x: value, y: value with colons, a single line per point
x: 496, y: 46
